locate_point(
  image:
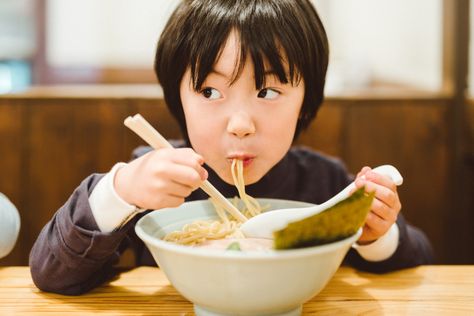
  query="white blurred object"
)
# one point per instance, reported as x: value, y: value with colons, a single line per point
x: 17, y: 29
x: 9, y: 225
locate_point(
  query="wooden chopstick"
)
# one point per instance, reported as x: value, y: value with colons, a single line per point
x: 150, y: 135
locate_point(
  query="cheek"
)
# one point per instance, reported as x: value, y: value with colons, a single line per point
x: 202, y: 131
x: 283, y: 135
x: 279, y: 134
x: 283, y: 125
x: 194, y: 117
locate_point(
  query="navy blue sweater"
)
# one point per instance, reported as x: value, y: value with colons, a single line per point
x: 71, y: 255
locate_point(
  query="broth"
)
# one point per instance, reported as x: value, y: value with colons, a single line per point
x: 246, y: 244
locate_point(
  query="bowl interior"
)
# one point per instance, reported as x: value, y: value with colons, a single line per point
x: 154, y: 226
x: 171, y: 219
x: 159, y: 223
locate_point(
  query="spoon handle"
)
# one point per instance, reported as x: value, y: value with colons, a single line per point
x: 391, y: 172
x: 385, y: 170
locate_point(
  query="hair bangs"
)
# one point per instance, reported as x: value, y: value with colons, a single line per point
x: 271, y: 52
x: 269, y: 57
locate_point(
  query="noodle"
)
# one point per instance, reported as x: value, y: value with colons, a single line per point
x: 199, y: 231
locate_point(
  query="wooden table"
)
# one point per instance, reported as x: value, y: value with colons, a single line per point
x: 443, y: 290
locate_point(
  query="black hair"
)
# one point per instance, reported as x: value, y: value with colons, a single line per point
x: 198, y: 30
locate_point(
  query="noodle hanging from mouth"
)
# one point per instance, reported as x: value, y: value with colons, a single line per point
x: 201, y: 230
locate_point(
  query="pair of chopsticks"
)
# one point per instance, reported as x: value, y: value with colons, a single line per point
x: 150, y: 135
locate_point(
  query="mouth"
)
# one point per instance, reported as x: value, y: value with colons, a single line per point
x: 246, y: 159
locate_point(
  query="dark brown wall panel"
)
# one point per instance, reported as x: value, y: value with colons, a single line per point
x: 413, y: 137
x: 326, y: 132
x: 68, y: 140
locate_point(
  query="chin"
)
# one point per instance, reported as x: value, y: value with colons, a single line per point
x: 227, y: 178
x: 252, y: 179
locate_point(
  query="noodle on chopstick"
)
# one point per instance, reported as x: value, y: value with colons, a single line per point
x: 201, y: 230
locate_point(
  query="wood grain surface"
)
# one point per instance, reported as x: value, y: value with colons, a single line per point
x: 427, y: 290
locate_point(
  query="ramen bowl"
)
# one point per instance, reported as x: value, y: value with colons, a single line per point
x: 225, y: 282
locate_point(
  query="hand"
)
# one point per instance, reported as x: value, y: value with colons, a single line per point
x: 385, y: 207
x: 161, y: 178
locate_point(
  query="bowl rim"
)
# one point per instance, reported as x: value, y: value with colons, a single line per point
x: 244, y: 255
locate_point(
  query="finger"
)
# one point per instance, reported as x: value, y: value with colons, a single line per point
x: 383, y: 211
x: 363, y: 171
x: 200, y: 170
x: 381, y: 179
x: 168, y: 171
x: 176, y: 189
x: 182, y: 156
x: 382, y: 193
x: 184, y: 175
x: 187, y: 156
x: 377, y: 224
x: 368, y: 235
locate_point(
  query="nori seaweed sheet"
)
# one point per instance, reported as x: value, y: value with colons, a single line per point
x: 335, y: 223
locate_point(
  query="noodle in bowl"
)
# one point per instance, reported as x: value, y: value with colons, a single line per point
x: 248, y: 282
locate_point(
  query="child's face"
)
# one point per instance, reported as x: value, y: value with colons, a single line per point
x: 237, y: 121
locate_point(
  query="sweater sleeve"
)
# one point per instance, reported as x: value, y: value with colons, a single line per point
x: 71, y: 255
x: 413, y: 249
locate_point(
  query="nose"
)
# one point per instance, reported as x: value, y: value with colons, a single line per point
x: 241, y: 124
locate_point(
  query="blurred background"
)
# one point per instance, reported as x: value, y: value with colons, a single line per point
x: 393, y: 43
x: 399, y: 91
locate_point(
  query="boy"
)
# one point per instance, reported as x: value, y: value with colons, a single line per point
x: 242, y: 78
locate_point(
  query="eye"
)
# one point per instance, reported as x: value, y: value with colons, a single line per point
x: 268, y: 93
x: 211, y: 93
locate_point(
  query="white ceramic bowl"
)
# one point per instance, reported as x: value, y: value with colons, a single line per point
x: 239, y: 283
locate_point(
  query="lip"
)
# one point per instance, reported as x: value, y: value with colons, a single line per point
x: 246, y: 158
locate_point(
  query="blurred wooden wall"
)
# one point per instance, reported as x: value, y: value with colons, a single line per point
x: 51, y: 139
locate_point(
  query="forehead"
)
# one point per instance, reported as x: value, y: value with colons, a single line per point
x: 228, y: 59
